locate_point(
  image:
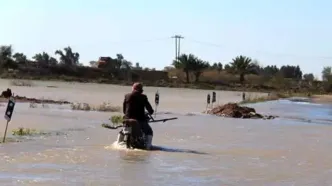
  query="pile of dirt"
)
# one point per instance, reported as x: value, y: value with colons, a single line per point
x: 235, y: 111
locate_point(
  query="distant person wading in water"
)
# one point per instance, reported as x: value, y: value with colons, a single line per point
x: 134, y: 106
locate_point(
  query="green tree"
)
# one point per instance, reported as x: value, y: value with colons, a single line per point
x: 185, y: 62
x: 126, y: 65
x: 6, y: 60
x: 242, y: 65
x: 228, y: 68
x: 327, y: 78
x: 309, y: 77
x: 68, y: 57
x: 326, y: 73
x: 45, y: 60
x: 219, y: 67
x: 118, y: 61
x: 20, y: 58
x: 197, y: 66
x: 293, y: 72
x: 270, y: 70
x: 137, y: 66
x: 214, y: 66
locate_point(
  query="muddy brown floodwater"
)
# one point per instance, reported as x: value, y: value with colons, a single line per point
x: 196, y: 149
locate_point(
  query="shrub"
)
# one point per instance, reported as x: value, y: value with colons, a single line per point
x: 26, y: 132
x: 104, y: 107
x: 116, y: 119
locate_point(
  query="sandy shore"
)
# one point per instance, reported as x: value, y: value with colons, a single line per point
x: 322, y: 99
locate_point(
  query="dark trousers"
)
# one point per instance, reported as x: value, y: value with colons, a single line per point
x: 146, y: 128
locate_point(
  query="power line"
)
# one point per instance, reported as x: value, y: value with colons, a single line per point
x: 139, y: 41
x: 258, y: 51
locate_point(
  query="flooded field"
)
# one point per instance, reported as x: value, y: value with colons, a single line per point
x: 197, y: 149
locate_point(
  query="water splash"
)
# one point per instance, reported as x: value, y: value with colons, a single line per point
x: 120, y: 146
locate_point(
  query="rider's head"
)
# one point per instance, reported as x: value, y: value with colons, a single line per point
x: 138, y: 87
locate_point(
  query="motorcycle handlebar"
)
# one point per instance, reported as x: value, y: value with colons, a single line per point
x: 149, y: 118
x: 152, y: 120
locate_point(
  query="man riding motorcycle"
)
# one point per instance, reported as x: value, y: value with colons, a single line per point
x: 134, y: 106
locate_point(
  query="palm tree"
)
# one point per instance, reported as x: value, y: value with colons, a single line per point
x: 137, y: 66
x: 184, y: 62
x: 125, y: 65
x: 219, y: 67
x: 118, y: 61
x: 197, y: 67
x: 68, y: 57
x: 242, y: 65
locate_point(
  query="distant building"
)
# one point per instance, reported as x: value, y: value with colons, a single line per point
x: 103, y: 60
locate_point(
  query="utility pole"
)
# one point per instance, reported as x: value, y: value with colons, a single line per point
x: 177, y: 45
x: 179, y: 37
x: 176, y: 48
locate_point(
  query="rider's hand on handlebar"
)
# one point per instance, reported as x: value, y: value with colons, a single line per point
x: 147, y: 116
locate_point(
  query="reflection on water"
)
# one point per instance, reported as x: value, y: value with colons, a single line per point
x: 196, y: 149
x: 167, y: 149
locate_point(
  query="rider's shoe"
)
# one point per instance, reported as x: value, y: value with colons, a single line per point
x: 149, y: 142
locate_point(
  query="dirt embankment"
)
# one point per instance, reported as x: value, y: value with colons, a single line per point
x: 8, y: 93
x: 233, y: 110
x: 323, y: 99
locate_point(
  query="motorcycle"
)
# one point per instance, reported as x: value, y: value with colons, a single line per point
x: 131, y: 134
